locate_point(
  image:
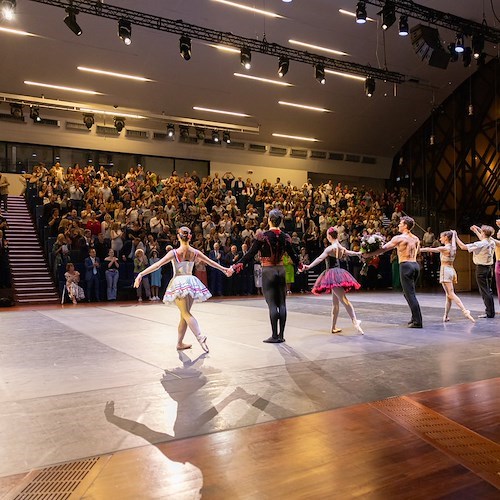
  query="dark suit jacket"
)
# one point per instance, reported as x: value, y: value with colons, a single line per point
x: 89, y: 268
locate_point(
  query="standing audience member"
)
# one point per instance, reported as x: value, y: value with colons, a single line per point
x: 482, y: 256
x: 112, y: 274
x: 92, y: 266
x: 155, y: 276
x: 140, y: 264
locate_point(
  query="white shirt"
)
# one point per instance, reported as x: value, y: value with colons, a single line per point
x: 482, y: 251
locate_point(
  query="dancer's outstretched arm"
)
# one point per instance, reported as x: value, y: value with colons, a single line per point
x: 433, y: 249
x: 153, y: 267
x: 227, y: 271
x: 395, y: 241
x: 316, y: 261
x: 459, y: 242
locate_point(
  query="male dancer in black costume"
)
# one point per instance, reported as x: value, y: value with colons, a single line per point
x: 272, y: 245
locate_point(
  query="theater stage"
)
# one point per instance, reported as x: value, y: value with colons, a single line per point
x: 92, y: 379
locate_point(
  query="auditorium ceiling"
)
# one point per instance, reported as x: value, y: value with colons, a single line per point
x: 354, y: 122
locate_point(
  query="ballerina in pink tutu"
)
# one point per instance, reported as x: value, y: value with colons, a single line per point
x: 335, y: 279
x: 184, y: 288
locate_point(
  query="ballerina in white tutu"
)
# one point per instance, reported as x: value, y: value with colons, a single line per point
x: 184, y: 288
x: 336, y: 280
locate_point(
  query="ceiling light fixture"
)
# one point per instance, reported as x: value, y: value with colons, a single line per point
x: 119, y: 123
x: 477, y: 45
x: 283, y: 65
x: 170, y: 130
x: 304, y: 106
x: 298, y: 138
x: 125, y: 31
x: 404, y: 29
x: 251, y: 9
x: 215, y: 136
x: 264, y: 80
x: 388, y: 14
x: 111, y: 113
x: 15, y: 32
x: 369, y: 86
x: 88, y: 119
x: 319, y: 73
x: 246, y: 57
x: 60, y: 87
x: 70, y: 21
x: 345, y: 75
x: 318, y: 47
x: 452, y: 52
x: 35, y: 114
x: 459, y: 43
x: 200, y: 134
x: 8, y: 9
x: 184, y: 132
x: 113, y: 73
x: 226, y: 137
x: 16, y: 110
x: 353, y: 14
x: 220, y: 111
x: 185, y: 47
x: 361, y: 13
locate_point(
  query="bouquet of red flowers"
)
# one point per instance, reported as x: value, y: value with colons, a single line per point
x: 370, y: 243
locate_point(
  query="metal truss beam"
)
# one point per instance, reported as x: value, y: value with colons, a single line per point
x: 179, y: 27
x: 439, y: 18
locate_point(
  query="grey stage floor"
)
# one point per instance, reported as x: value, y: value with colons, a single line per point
x: 79, y: 381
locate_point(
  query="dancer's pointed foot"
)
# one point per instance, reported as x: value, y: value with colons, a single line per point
x: 468, y: 315
x: 357, y: 323
x: 203, y: 342
x: 336, y: 330
x: 273, y: 340
x: 445, y: 319
x: 181, y: 346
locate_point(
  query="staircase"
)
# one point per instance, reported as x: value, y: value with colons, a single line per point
x: 31, y: 279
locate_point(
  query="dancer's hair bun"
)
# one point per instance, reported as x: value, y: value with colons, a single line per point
x: 184, y: 233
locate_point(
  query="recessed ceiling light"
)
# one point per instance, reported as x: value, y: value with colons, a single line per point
x: 111, y: 113
x: 310, y: 139
x: 225, y: 48
x: 353, y: 14
x: 16, y: 32
x: 265, y: 80
x: 345, y: 75
x: 318, y: 47
x: 112, y: 73
x: 60, y: 87
x: 304, y: 106
x: 251, y: 9
x: 220, y: 111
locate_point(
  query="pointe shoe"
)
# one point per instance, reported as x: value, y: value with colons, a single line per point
x: 357, y: 323
x: 445, y: 319
x: 203, y: 342
x: 336, y: 330
x: 468, y: 315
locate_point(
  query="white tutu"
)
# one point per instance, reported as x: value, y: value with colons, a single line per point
x: 184, y: 285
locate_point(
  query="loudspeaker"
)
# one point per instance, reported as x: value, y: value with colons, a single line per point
x: 427, y: 45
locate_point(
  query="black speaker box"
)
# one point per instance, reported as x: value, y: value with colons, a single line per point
x: 427, y: 46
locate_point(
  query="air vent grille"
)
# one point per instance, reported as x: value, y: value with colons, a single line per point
x: 137, y: 134
x: 257, y: 148
x: 274, y: 150
x: 298, y: 153
x: 77, y: 126
x: 336, y: 156
x: 159, y: 136
x: 353, y: 158
x: 49, y: 122
x: 236, y: 145
x: 319, y: 155
x: 111, y: 131
x: 10, y: 118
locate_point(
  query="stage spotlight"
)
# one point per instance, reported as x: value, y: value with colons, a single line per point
x: 319, y: 73
x: 35, y: 114
x: 215, y: 135
x: 185, y: 47
x: 246, y: 58
x: 284, y: 64
x: 200, y: 134
x: 459, y: 43
x: 125, y: 31
x: 453, y: 53
x: 467, y: 57
x: 16, y: 110
x: 119, y: 123
x: 388, y: 13
x: 226, y: 137
x: 88, y: 119
x: 70, y: 21
x: 8, y: 9
x: 361, y: 13
x: 369, y: 86
x: 184, y: 132
x: 170, y: 130
x: 403, y: 26
x: 477, y: 45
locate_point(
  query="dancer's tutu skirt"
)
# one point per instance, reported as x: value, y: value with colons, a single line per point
x: 335, y: 277
x: 182, y: 286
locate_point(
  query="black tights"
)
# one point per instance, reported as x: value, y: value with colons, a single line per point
x: 274, y: 290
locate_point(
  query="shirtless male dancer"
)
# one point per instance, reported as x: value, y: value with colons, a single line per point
x: 407, y: 246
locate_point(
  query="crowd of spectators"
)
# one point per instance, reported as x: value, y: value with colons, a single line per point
x: 88, y: 208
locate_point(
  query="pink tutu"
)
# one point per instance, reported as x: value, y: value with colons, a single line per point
x: 334, y: 277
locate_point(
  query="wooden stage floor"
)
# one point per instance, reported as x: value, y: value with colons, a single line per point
x: 97, y: 404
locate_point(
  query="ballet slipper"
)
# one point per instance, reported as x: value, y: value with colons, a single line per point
x: 181, y: 347
x: 468, y: 315
x: 336, y: 330
x: 445, y: 319
x: 203, y: 342
x: 357, y: 323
